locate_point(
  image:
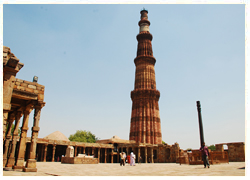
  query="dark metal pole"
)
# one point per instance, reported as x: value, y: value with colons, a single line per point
x: 200, y: 122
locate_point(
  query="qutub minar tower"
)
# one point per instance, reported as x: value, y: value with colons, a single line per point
x: 145, y: 126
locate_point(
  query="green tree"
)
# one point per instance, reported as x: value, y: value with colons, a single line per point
x: 163, y: 142
x: 189, y: 149
x: 83, y: 136
x: 212, y: 147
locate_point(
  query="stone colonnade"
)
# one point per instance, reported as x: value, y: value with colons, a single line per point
x: 19, y: 99
x: 10, y: 142
x: 145, y: 152
x: 104, y: 154
x: 93, y: 151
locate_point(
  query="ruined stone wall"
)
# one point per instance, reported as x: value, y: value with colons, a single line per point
x: 236, y: 152
x: 168, y: 153
x: 174, y: 153
x: 219, y: 147
x: 161, y: 154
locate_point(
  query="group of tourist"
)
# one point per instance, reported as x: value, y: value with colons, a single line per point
x: 123, y: 159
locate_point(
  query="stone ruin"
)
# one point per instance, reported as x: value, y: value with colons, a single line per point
x: 69, y: 151
x: 234, y: 153
x: 80, y: 159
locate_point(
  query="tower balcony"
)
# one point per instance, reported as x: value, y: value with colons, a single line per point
x: 144, y: 35
x: 145, y: 93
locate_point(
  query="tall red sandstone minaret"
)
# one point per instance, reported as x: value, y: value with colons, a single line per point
x: 145, y: 126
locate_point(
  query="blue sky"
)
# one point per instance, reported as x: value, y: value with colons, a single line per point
x: 84, y: 55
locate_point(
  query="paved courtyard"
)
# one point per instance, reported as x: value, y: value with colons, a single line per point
x: 156, y: 169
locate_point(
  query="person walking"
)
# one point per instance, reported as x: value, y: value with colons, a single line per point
x: 205, y: 153
x: 124, y: 158
x: 121, y: 158
x: 132, y: 159
x: 140, y: 160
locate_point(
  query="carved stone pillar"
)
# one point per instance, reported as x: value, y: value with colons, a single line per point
x: 146, y: 155
x: 105, y: 156
x: 5, y: 117
x: 11, y: 160
x: 83, y: 151
x: 8, y: 84
x: 53, y: 153
x: 93, y: 151
x: 99, y: 155
x: 31, y: 162
x: 45, y: 152
x: 152, y: 155
x: 118, y: 155
x: 75, y: 151
x: 22, y: 143
x: 42, y: 152
x: 7, y: 139
x: 139, y: 154
x: 112, y: 156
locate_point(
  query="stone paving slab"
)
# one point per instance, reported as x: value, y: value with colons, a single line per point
x: 156, y: 169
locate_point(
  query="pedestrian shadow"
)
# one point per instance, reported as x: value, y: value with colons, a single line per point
x: 242, y: 168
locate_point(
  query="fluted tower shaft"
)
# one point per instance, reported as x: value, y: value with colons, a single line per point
x: 145, y: 126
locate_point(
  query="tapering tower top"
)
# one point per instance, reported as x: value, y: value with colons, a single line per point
x: 144, y: 22
x: 144, y: 14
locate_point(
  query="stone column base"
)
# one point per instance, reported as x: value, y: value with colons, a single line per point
x: 17, y: 167
x: 7, y: 168
x: 11, y: 162
x: 30, y: 169
x: 4, y: 161
x: 30, y: 166
x: 19, y: 164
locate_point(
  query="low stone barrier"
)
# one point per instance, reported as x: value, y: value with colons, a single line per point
x: 79, y: 160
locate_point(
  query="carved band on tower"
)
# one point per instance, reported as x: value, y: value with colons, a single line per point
x: 145, y: 126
